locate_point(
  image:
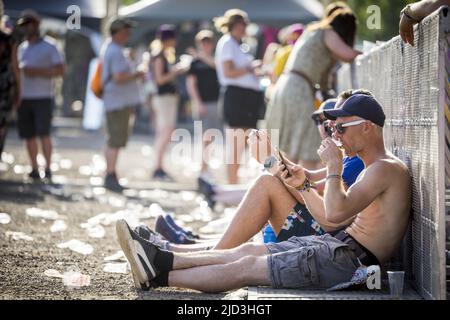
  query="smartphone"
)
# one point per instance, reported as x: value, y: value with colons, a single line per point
x: 283, y: 161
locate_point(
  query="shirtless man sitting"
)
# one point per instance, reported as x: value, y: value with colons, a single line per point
x: 378, y: 203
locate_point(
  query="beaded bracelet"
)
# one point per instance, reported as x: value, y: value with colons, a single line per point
x: 305, y: 186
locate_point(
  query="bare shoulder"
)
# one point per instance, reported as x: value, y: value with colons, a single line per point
x: 390, y: 166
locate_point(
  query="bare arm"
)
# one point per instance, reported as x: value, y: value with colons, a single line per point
x: 421, y: 9
x: 230, y: 70
x: 313, y: 201
x: 417, y: 11
x: 339, y: 48
x: 316, y: 206
x: 16, y: 70
x: 209, y: 60
x: 194, y: 94
x: 122, y: 77
x: 341, y: 205
x: 51, y: 72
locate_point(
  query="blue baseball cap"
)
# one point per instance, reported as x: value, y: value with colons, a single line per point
x: 326, y: 105
x: 360, y: 105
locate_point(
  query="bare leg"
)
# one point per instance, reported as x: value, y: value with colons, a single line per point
x: 249, y: 270
x: 111, y: 155
x: 205, y: 157
x: 32, y: 148
x: 211, y: 257
x: 266, y: 200
x: 47, y: 149
x: 191, y: 247
x: 161, y: 143
x: 236, y: 141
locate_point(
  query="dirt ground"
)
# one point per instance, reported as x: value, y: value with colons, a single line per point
x: 77, y: 196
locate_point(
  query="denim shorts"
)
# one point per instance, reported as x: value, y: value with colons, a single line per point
x: 311, y: 261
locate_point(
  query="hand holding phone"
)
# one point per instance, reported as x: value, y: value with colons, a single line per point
x: 282, y: 159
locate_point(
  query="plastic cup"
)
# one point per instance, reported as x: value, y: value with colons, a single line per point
x: 396, y: 281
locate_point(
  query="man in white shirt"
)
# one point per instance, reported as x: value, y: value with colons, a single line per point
x: 39, y: 62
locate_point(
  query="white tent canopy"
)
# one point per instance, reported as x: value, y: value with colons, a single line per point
x: 265, y: 11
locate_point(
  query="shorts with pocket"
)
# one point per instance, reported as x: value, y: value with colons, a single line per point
x: 34, y: 118
x: 312, y: 261
x: 118, y: 126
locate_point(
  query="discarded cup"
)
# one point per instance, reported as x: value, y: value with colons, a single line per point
x: 118, y: 256
x: 96, y: 231
x: 3, y: 166
x: 45, y: 214
x: 74, y: 279
x: 396, y: 281
x: 77, y: 246
x: 18, y: 236
x: 58, y: 226
x: 116, y: 267
x: 53, y: 273
x: 5, y: 218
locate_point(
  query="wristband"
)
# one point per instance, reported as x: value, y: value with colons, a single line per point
x: 305, y: 186
x: 334, y: 176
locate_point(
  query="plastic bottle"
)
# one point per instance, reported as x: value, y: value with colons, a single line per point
x: 269, y: 234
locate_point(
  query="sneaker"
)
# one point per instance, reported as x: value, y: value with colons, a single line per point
x: 139, y: 252
x: 161, y: 175
x: 174, y: 236
x: 174, y: 225
x: 148, y: 234
x: 111, y: 183
x: 206, y: 188
x: 34, y: 175
x: 48, y: 175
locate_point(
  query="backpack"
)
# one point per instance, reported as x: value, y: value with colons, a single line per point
x: 96, y: 82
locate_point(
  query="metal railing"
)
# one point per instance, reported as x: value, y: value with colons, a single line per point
x: 412, y: 85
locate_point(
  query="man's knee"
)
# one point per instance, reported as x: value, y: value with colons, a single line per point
x: 268, y: 181
x: 252, y: 249
x: 244, y: 267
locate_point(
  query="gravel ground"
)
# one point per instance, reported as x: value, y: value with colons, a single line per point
x: 76, y: 197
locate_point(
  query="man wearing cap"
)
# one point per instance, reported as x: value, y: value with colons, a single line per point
x: 379, y: 204
x: 120, y: 95
x: 268, y: 199
x: 39, y: 62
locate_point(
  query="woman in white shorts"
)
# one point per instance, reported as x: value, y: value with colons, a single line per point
x: 165, y: 101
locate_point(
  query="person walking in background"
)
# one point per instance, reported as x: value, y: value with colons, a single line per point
x: 9, y: 77
x: 120, y: 95
x: 310, y: 61
x: 203, y: 88
x: 39, y: 62
x: 241, y: 98
x: 165, y: 101
x: 289, y: 37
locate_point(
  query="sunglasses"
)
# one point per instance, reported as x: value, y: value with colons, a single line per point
x: 340, y: 127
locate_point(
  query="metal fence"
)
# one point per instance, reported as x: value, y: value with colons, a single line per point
x: 411, y: 82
